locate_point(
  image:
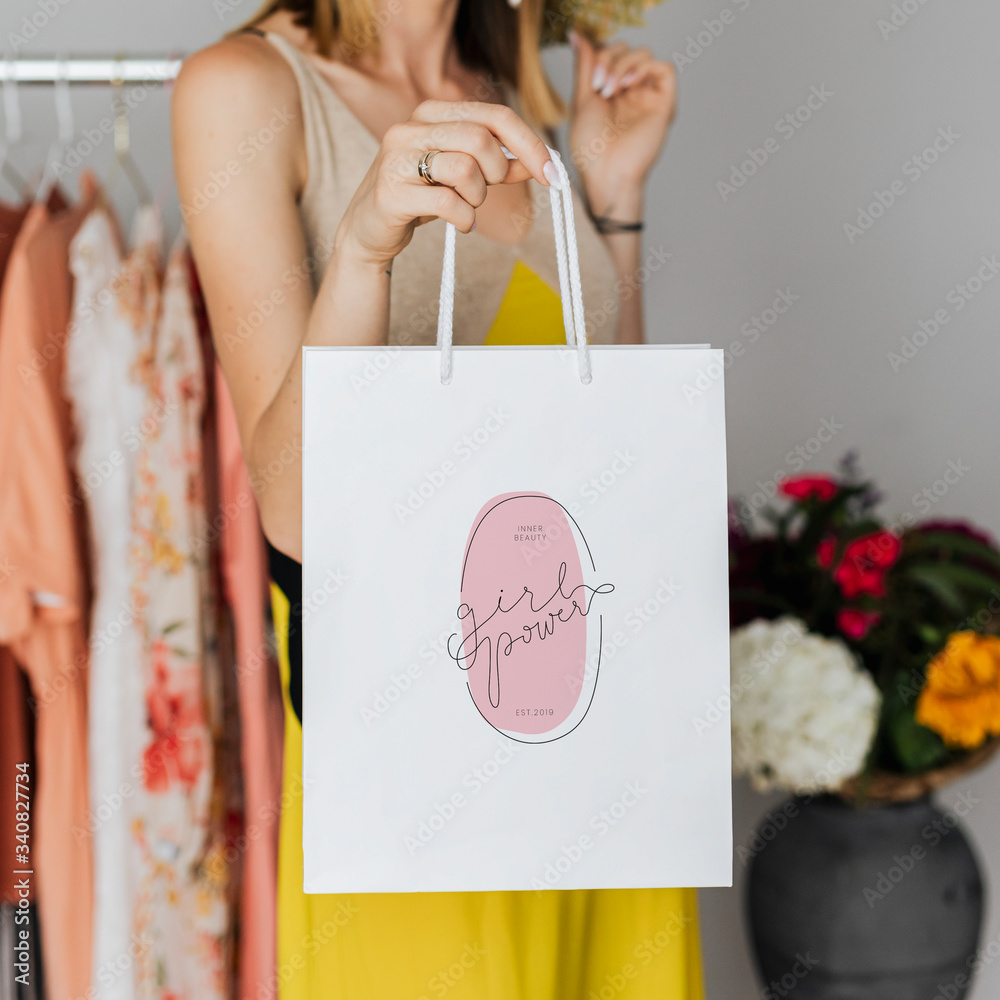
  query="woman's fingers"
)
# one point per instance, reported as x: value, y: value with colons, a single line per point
x: 467, y: 138
x: 502, y: 125
x: 610, y: 70
x: 627, y: 70
x: 604, y: 63
x: 429, y: 202
x: 461, y: 172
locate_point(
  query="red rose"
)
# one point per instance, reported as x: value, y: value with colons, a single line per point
x: 856, y: 624
x: 824, y: 553
x: 863, y: 566
x: 866, y: 559
x: 804, y: 488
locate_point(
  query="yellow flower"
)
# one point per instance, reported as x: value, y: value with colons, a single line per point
x: 961, y: 697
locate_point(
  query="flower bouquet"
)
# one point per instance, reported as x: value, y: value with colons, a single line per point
x: 865, y: 659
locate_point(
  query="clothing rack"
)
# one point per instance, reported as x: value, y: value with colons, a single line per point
x: 101, y: 72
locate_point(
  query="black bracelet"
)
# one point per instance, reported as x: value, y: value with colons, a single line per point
x: 607, y: 226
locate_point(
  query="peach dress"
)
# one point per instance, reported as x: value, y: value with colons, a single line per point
x: 43, y: 586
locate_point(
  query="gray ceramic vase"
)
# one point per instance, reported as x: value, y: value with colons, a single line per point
x: 883, y: 903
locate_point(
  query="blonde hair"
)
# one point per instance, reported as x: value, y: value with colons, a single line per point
x: 491, y: 36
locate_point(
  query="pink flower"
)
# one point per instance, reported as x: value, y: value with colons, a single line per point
x: 803, y: 488
x: 856, y: 624
x: 825, y: 551
x: 864, y: 564
x: 866, y: 560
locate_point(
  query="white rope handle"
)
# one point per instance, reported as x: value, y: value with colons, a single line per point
x: 570, y: 287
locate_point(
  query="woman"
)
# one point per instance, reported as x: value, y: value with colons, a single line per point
x: 316, y: 154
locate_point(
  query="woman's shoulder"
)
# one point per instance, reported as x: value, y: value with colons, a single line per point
x: 240, y: 74
x: 227, y: 93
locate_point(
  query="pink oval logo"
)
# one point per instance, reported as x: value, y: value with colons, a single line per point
x: 528, y: 617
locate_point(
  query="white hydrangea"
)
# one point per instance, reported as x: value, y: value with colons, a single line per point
x: 804, y: 710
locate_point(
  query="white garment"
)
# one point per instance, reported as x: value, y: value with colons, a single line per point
x: 179, y: 832
x: 115, y: 301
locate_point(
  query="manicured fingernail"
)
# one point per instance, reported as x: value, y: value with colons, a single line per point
x: 473, y: 229
x: 628, y: 79
x: 600, y: 77
x: 551, y: 174
x: 609, y: 87
x: 573, y: 38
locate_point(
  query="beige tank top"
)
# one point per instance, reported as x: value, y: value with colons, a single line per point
x: 339, y: 151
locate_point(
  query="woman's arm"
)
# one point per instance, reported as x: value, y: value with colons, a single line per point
x: 239, y: 153
x: 623, y: 102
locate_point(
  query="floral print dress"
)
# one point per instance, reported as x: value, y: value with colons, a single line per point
x: 116, y: 303
x: 136, y: 381
x: 181, y: 906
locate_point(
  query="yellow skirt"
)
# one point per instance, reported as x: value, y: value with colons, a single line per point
x: 555, y: 945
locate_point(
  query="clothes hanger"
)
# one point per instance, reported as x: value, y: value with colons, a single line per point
x: 123, y: 160
x: 13, y: 133
x: 167, y: 184
x: 66, y: 131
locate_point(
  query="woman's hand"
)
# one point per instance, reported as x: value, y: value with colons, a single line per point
x: 623, y: 103
x: 393, y: 199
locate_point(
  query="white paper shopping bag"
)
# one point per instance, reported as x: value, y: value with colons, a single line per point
x: 509, y: 688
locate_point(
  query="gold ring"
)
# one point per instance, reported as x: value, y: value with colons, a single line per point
x: 424, y: 166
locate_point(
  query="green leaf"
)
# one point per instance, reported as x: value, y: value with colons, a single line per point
x: 930, y: 634
x: 955, y: 543
x: 167, y: 629
x: 916, y: 747
x: 932, y: 580
x: 967, y: 576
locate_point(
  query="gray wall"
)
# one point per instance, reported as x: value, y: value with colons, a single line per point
x: 828, y: 357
